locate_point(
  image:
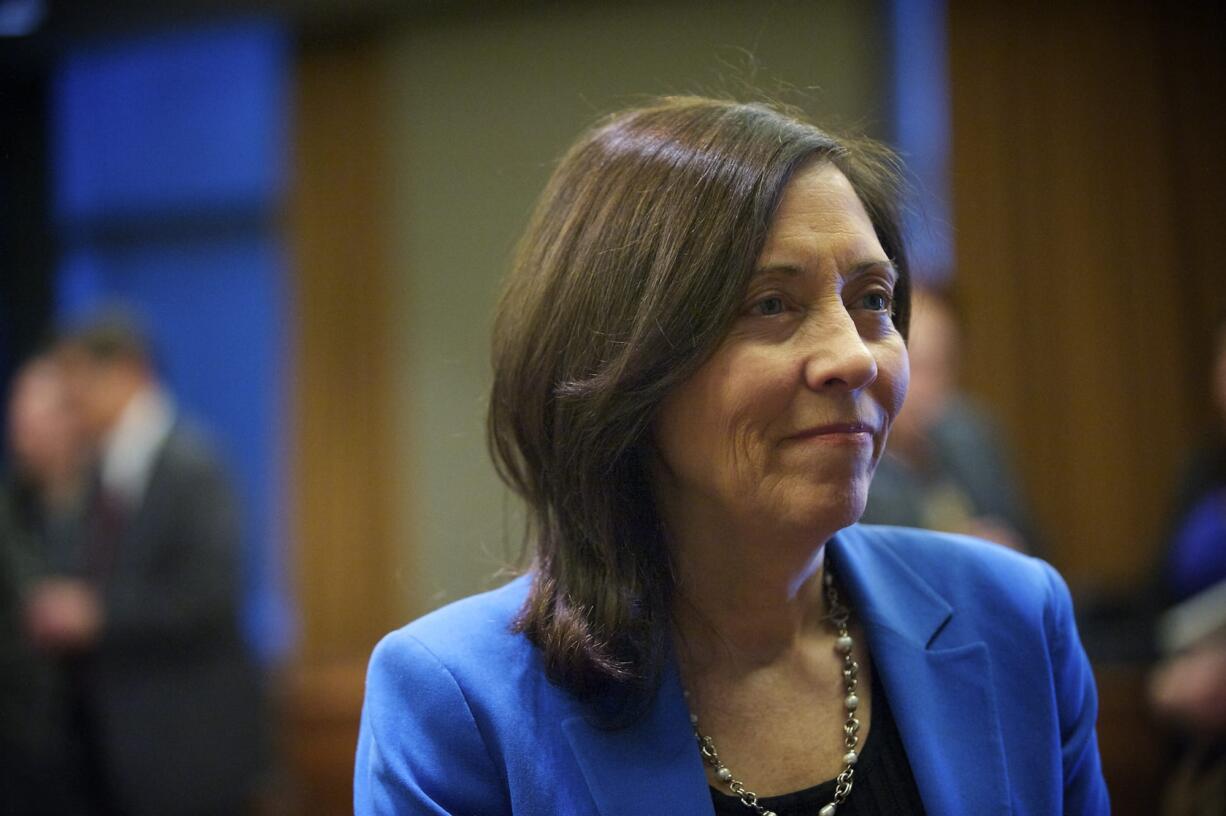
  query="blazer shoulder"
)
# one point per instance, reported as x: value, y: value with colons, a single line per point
x: 429, y: 740
x: 470, y: 636
x: 960, y: 566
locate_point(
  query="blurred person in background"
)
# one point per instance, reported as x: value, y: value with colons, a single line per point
x: 1188, y: 689
x: 143, y: 610
x: 947, y: 467
x: 1196, y: 556
x: 37, y: 495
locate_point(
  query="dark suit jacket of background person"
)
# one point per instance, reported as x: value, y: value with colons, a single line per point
x: 173, y: 697
x: 33, y: 762
x: 974, y: 644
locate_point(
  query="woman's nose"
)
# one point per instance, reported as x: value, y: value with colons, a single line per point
x: 837, y: 357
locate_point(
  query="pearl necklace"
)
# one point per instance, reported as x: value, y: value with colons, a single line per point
x: 839, y: 616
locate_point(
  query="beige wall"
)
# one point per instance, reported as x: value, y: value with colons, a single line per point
x: 479, y: 110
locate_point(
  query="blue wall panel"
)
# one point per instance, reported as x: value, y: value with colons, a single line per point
x: 180, y: 122
x: 922, y: 124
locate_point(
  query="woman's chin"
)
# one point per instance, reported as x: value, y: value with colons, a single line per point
x: 826, y: 509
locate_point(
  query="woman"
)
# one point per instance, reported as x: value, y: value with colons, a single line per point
x: 697, y: 359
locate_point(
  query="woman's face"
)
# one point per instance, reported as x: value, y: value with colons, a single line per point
x: 786, y: 421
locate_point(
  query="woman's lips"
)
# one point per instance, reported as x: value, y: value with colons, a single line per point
x: 836, y: 432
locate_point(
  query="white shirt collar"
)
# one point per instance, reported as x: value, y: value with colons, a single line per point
x: 130, y: 448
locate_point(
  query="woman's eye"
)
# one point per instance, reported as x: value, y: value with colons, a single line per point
x: 768, y: 306
x: 876, y: 301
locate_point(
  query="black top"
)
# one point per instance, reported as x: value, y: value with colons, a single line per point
x: 882, y: 785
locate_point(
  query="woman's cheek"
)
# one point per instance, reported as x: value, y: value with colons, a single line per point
x: 897, y: 380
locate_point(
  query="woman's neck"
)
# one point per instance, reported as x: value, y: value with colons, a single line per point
x: 747, y: 598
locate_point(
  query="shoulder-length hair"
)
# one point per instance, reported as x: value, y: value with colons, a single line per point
x: 628, y: 277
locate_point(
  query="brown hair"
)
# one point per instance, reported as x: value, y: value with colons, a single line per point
x: 628, y: 277
x: 116, y: 333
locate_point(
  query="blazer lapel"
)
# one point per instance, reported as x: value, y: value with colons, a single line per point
x: 940, y: 690
x: 650, y: 767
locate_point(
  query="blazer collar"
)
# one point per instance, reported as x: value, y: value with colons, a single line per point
x: 886, y: 593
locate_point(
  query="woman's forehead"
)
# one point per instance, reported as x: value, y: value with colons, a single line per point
x: 819, y: 198
x: 821, y: 223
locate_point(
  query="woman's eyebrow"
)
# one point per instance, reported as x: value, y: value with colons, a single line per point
x: 856, y: 270
x: 785, y: 270
x: 866, y: 267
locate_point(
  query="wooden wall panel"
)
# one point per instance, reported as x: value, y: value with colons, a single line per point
x: 1088, y: 180
x: 1080, y: 240
x: 345, y: 486
x: 344, y: 473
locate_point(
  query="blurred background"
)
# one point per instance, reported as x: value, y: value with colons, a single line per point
x: 310, y: 204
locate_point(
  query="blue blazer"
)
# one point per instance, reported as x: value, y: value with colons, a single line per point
x: 975, y: 646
